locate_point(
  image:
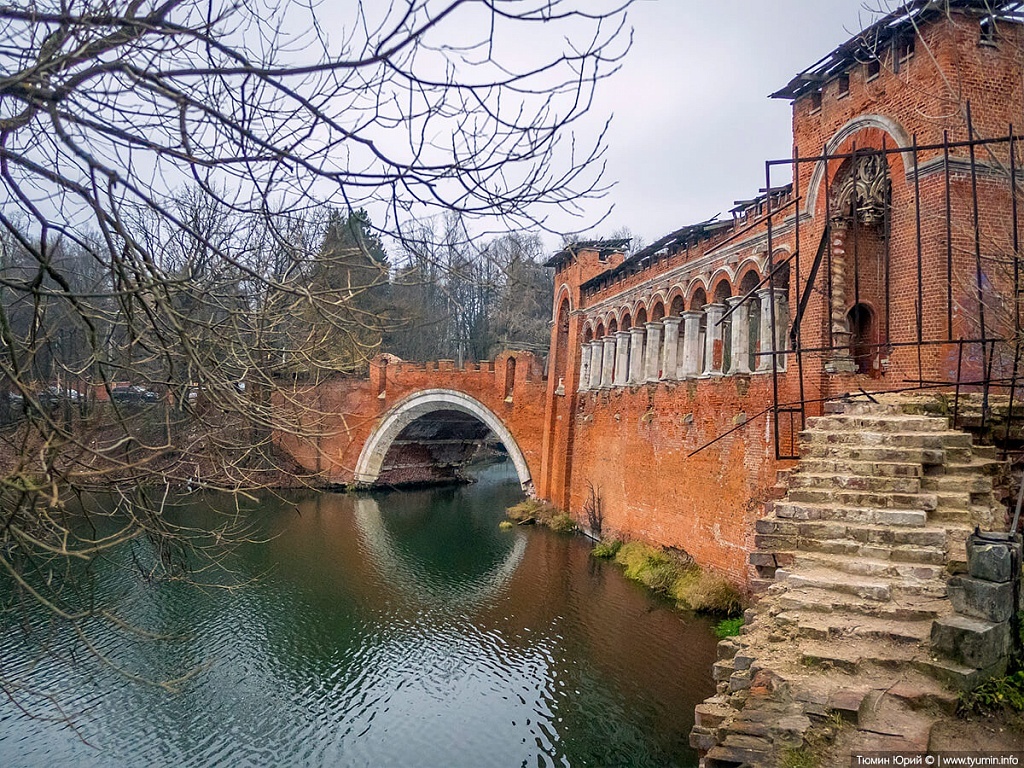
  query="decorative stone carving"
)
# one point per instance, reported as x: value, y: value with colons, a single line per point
x: 866, y: 187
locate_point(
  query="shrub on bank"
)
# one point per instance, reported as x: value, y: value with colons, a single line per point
x: 533, y: 511
x: 678, y: 577
x: 606, y: 549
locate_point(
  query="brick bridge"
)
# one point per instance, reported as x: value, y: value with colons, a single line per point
x: 419, y: 422
x: 679, y: 377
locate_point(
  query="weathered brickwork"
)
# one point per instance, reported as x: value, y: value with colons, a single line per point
x: 661, y: 381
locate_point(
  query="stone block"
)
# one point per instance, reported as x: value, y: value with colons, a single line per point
x: 727, y: 649
x: 992, y: 561
x: 739, y: 680
x: 971, y: 641
x: 743, y: 660
x: 702, y: 739
x: 711, y: 716
x: 722, y: 671
x: 986, y: 600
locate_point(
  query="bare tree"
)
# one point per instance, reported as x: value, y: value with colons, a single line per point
x: 165, y: 168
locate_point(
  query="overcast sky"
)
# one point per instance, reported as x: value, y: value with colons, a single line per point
x: 693, y: 123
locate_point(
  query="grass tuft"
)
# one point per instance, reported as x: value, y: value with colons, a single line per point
x: 606, y: 549
x: 728, y: 627
x: 999, y: 693
x: 562, y: 523
x: 679, y: 578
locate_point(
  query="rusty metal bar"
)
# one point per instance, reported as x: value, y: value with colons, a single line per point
x: 921, y: 261
x: 795, y: 280
x: 979, y: 277
x: 949, y: 239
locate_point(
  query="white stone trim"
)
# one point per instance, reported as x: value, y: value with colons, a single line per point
x: 375, y: 449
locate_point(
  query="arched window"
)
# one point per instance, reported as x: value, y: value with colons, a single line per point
x: 863, y: 346
x: 510, y: 378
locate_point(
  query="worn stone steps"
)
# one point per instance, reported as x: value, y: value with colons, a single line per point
x: 839, y: 625
x: 787, y: 510
x: 859, y: 565
x: 972, y: 467
x: 861, y: 438
x: 866, y: 587
x: 908, y: 608
x: 854, y: 654
x: 852, y: 498
x: 834, y: 466
x: 789, y: 530
x: 881, y: 454
x: 971, y: 484
x: 878, y: 423
x: 832, y: 481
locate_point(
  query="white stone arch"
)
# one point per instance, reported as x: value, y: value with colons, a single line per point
x: 375, y: 449
x: 859, y: 123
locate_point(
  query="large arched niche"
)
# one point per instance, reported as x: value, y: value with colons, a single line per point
x: 404, y: 413
x: 871, y: 124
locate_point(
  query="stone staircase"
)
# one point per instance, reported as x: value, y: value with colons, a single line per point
x: 853, y: 564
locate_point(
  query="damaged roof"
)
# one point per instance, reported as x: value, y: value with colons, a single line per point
x: 867, y: 45
x: 603, y: 247
x: 666, y: 245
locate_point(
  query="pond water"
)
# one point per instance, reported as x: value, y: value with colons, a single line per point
x: 394, y: 629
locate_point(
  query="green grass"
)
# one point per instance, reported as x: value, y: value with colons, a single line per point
x: 999, y: 693
x: 606, y: 549
x: 728, y: 627
x: 562, y: 523
x: 679, y: 578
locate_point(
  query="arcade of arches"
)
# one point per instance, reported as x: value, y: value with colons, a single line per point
x: 739, y: 332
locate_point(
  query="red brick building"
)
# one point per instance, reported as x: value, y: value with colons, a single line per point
x: 882, y: 255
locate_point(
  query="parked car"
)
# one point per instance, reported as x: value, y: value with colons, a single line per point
x: 53, y: 395
x: 133, y: 393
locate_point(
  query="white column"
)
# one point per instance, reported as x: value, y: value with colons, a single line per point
x: 764, y: 358
x: 608, y: 366
x: 621, y: 358
x: 739, y: 361
x: 691, y: 342
x: 670, y: 359
x: 714, y: 340
x: 653, y: 351
x: 596, y: 360
x: 636, y: 355
x: 584, y: 367
x: 781, y: 326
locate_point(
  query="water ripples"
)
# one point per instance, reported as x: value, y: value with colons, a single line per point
x: 406, y: 632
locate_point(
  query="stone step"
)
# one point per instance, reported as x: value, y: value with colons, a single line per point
x: 863, y: 408
x: 853, y: 655
x: 956, y: 484
x: 835, y: 466
x: 933, y: 536
x: 879, y: 454
x: 927, y: 440
x: 865, y: 483
x: 848, y: 498
x: 871, y: 567
x: 916, y: 518
x: 972, y: 467
x: 895, y: 422
x: 909, y: 608
x: 827, y: 580
x: 841, y: 624
x: 879, y: 588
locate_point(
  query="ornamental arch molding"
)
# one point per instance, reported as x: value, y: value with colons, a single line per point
x: 375, y: 449
x: 881, y: 122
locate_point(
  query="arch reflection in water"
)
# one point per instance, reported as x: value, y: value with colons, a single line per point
x: 446, y: 573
